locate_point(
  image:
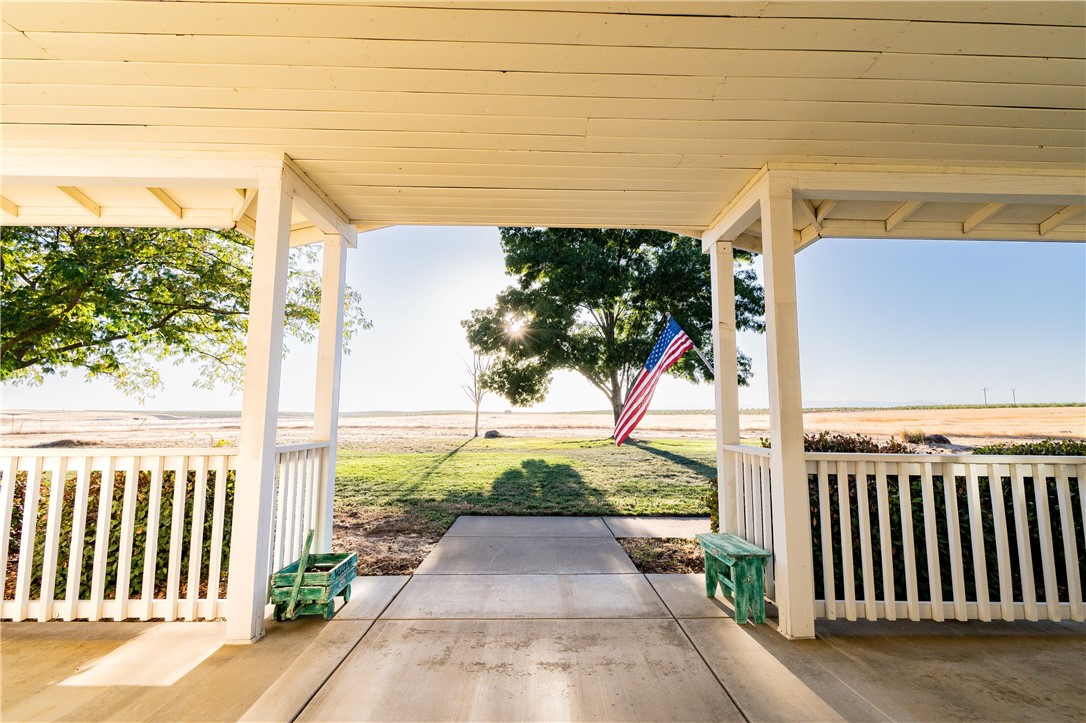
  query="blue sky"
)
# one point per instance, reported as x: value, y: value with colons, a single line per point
x: 881, y: 321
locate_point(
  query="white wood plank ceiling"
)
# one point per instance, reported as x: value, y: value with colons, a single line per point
x: 634, y: 114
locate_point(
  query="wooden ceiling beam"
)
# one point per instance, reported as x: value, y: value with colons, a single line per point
x: 807, y: 208
x: 9, y: 207
x: 1057, y: 219
x: 248, y: 196
x: 981, y: 215
x: 901, y: 213
x: 82, y: 199
x: 824, y: 209
x: 166, y: 201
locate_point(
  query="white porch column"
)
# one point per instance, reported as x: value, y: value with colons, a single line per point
x: 329, y: 356
x: 254, y: 494
x: 726, y: 372
x: 791, y: 508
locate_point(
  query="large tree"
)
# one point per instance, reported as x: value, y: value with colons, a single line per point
x: 593, y: 301
x: 114, y: 301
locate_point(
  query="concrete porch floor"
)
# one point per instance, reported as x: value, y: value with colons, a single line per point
x: 541, y: 619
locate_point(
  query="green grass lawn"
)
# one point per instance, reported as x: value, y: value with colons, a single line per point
x: 440, y: 479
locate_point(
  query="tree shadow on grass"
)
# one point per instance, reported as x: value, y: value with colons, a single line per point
x: 536, y: 487
x: 442, y: 460
x: 699, y: 468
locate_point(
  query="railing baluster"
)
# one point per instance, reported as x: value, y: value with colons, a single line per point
x: 52, y: 540
x: 177, y: 539
x: 292, y: 507
x: 825, y: 515
x: 976, y: 536
x: 218, y: 514
x: 931, y: 539
x: 150, y: 548
x: 311, y: 487
x: 741, y: 497
x: 101, y: 537
x: 757, y: 529
x: 908, y: 540
x: 1070, y: 546
x: 748, y: 470
x: 866, y: 554
x: 279, y: 541
x: 7, y: 505
x: 848, y: 579
x: 767, y: 505
x: 888, y: 594
x: 1044, y: 528
x: 954, y: 535
x: 127, y: 537
x: 737, y: 501
x: 1021, y: 533
x: 297, y: 505
x: 196, y: 534
x: 1002, y: 540
x: 28, y: 536
x: 78, y: 531
x: 767, y: 526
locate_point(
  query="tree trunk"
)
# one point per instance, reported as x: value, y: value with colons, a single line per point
x: 476, y: 419
x: 616, y: 395
x: 616, y: 409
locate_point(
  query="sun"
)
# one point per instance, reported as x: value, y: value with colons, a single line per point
x: 515, y: 326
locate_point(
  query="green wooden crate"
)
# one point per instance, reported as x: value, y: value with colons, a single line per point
x: 326, y: 576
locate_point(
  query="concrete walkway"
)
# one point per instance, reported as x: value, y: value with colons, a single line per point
x: 546, y: 619
x: 541, y: 619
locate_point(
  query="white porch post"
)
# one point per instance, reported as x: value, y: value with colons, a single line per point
x: 791, y: 509
x: 250, y: 538
x: 329, y: 355
x: 725, y: 370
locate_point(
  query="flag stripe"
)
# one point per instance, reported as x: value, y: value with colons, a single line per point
x: 669, y: 348
x: 648, y: 379
x: 641, y: 394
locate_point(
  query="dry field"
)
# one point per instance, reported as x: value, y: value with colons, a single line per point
x: 970, y: 427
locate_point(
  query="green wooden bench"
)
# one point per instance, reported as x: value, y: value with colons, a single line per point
x: 737, y: 566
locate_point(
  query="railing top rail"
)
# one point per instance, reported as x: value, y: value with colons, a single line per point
x: 118, y: 452
x: 301, y: 446
x: 1003, y: 459
x: 747, y: 449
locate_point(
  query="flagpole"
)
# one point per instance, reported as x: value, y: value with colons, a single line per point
x: 695, y: 348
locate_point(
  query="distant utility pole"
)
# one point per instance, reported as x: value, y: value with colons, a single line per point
x: 985, y: 390
x: 1014, y: 399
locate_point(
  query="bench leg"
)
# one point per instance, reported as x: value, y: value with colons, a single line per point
x: 742, y: 591
x: 749, y: 591
x: 710, y: 576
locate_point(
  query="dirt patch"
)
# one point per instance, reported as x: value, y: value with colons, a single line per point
x: 667, y: 555
x: 386, y: 545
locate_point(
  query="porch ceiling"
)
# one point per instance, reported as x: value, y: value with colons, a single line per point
x: 639, y: 114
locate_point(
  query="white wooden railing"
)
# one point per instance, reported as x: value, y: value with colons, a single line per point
x: 1018, y: 513
x: 915, y: 548
x: 753, y: 503
x: 301, y: 467
x: 87, y: 517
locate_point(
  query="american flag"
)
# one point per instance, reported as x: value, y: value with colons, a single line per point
x: 671, y: 345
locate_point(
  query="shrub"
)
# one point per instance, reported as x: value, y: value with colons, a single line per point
x: 847, y: 444
x: 1048, y: 447
x: 912, y: 437
x: 712, y: 501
